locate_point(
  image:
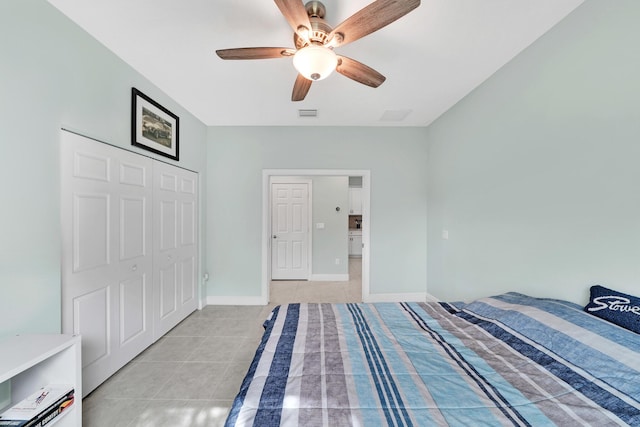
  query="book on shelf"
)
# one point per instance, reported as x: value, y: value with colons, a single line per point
x: 40, y: 408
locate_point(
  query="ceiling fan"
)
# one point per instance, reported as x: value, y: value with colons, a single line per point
x: 315, y: 40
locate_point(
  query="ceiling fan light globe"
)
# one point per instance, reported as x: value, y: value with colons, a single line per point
x: 315, y: 62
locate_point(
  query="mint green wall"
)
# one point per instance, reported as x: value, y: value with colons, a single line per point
x: 331, y: 242
x: 236, y: 157
x: 52, y: 74
x: 535, y: 174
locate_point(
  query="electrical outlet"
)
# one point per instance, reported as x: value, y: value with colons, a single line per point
x: 337, y: 261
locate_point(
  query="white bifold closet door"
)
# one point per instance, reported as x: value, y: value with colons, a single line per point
x: 175, y: 246
x: 129, y: 256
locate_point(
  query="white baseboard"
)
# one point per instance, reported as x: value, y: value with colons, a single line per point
x: 329, y: 278
x: 407, y: 297
x: 236, y: 300
x: 431, y: 298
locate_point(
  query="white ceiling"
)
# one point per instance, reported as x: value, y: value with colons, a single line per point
x: 432, y: 57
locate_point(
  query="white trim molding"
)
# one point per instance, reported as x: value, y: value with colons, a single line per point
x: 431, y: 298
x: 269, y: 174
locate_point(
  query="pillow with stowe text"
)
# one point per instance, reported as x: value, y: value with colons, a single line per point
x: 615, y: 307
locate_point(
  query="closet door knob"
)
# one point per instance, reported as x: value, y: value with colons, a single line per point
x: 134, y: 267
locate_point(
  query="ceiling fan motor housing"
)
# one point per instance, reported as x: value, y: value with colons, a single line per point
x: 319, y: 31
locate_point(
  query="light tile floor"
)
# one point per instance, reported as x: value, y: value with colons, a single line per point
x: 190, y: 376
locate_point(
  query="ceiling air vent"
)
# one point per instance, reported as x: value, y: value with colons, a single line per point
x: 307, y: 113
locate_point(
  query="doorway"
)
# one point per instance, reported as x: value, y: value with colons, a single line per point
x: 290, y: 228
x: 267, y: 236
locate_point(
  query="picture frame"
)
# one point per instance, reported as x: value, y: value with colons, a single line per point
x: 153, y: 127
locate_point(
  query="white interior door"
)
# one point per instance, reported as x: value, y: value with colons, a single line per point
x: 107, y: 258
x: 290, y: 231
x: 175, y: 245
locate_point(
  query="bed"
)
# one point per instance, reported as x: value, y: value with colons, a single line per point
x: 510, y: 359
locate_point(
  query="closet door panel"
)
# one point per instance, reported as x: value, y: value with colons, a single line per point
x: 189, y: 226
x: 168, y: 291
x: 91, y: 231
x: 167, y: 232
x: 135, y: 266
x: 92, y: 319
x: 106, y: 258
x: 175, y: 247
x: 133, y: 227
x: 188, y: 280
x: 133, y: 319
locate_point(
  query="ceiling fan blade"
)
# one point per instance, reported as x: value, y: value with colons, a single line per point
x: 371, y: 18
x: 295, y: 14
x: 359, y: 72
x: 300, y: 88
x: 255, y: 52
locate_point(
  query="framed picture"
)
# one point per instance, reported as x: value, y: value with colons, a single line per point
x: 153, y: 127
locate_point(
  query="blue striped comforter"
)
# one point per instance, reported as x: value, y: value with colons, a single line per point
x: 505, y: 360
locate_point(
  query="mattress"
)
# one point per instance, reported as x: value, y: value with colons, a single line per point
x: 504, y: 360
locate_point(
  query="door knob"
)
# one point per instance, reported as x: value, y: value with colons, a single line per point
x: 275, y: 237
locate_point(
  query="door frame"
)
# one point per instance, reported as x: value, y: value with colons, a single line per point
x: 282, y: 179
x: 268, y: 175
